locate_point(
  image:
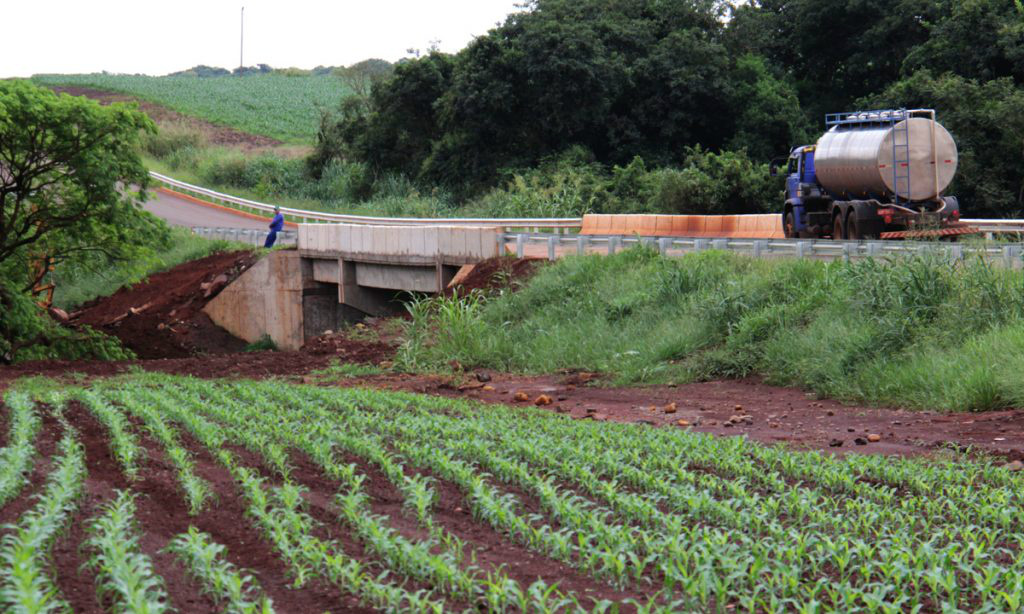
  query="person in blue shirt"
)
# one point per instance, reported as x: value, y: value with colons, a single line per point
x: 275, y: 227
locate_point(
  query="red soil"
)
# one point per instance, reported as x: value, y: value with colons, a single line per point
x: 499, y: 273
x: 162, y: 316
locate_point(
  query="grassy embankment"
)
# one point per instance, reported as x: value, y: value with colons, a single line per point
x: 916, y: 333
x: 83, y: 283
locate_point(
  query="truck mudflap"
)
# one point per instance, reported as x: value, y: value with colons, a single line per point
x: 953, y: 230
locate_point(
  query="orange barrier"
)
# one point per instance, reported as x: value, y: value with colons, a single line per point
x: 757, y: 226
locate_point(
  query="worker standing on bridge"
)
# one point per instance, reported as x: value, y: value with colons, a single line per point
x: 275, y: 227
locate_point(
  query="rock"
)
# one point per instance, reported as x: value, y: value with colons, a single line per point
x: 521, y: 397
x: 562, y: 397
x: 835, y: 443
x: 1014, y: 466
x: 860, y: 441
x: 741, y: 419
x: 670, y: 408
x: 683, y: 422
x: 728, y: 425
x: 328, y: 332
x: 874, y: 438
x: 488, y: 388
x: 738, y: 408
x: 600, y: 417
x: 482, y: 377
x: 218, y: 282
x: 774, y: 425
x: 830, y: 413
x: 590, y: 410
x: 542, y: 400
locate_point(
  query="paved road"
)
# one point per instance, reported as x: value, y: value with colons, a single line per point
x: 181, y: 212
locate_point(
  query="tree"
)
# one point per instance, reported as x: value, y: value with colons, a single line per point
x: 67, y: 167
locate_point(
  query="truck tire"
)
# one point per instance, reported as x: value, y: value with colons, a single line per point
x: 853, y: 227
x: 838, y: 229
x: 789, y: 225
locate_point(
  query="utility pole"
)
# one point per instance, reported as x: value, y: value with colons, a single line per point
x: 241, y: 43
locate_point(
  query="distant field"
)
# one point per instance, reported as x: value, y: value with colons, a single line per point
x: 278, y: 106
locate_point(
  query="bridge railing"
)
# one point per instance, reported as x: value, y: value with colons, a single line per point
x: 312, y: 217
x: 248, y: 236
x: 553, y: 247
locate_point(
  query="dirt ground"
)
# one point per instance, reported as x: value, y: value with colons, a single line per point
x: 216, y: 135
x: 162, y: 317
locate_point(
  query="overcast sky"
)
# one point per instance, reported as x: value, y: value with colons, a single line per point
x: 142, y: 36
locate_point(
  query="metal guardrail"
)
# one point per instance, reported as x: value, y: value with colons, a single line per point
x: 553, y: 246
x: 564, y: 224
x: 248, y: 236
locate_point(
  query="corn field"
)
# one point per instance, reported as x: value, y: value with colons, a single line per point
x: 385, y: 501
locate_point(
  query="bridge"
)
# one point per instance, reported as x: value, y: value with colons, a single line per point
x: 348, y: 267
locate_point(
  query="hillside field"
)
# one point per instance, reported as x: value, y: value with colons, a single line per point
x: 278, y: 106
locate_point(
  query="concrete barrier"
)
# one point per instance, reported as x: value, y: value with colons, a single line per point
x: 756, y: 226
x: 454, y: 245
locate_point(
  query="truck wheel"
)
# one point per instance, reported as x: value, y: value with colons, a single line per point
x: 852, y: 228
x: 789, y: 225
x: 838, y: 229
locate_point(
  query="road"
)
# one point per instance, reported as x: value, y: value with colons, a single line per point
x: 183, y: 212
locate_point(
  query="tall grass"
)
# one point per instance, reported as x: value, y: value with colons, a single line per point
x: 918, y: 332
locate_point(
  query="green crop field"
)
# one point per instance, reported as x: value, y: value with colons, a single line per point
x: 393, y: 499
x: 279, y: 106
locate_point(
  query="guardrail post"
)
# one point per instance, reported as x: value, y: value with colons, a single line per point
x: 956, y: 253
x: 552, y: 243
x: 874, y: 248
x: 700, y: 245
x: 520, y: 246
x: 663, y: 244
x: 720, y: 244
x: 802, y: 249
x: 847, y: 252
x: 1011, y: 255
x: 581, y: 244
x: 759, y: 245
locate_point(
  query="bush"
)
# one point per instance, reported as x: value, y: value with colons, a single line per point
x: 172, y: 138
x: 715, y: 183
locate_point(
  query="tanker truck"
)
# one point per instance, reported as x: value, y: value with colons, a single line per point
x: 874, y: 175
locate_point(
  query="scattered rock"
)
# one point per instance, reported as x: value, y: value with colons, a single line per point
x: 599, y: 417
x: 471, y: 386
x: 670, y: 408
x: 874, y: 438
x: 590, y: 410
x: 741, y: 419
x: 774, y: 425
x: 860, y: 441
x: 482, y: 377
x: 1014, y: 466
x: 488, y: 388
x: 830, y: 413
x: 835, y: 443
x: 328, y: 332
x: 521, y: 397
x: 683, y: 422
x: 218, y: 282
x: 542, y: 400
x: 738, y: 408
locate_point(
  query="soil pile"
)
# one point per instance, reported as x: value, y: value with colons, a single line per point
x: 501, y: 273
x: 162, y: 316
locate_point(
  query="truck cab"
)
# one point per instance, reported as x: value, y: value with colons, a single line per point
x: 801, y: 186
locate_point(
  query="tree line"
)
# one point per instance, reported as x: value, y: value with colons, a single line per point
x: 617, y: 82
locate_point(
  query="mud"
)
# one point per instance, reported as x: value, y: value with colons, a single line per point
x: 497, y: 274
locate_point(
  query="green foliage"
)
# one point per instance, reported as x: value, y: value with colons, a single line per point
x: 275, y: 105
x: 263, y: 344
x: 873, y: 331
x: 714, y: 183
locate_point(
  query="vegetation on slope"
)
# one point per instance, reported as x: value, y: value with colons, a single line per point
x: 920, y: 332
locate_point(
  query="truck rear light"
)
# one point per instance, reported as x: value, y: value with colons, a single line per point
x: 886, y: 211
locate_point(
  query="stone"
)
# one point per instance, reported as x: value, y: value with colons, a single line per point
x: 542, y: 400
x: 1014, y: 466
x: 738, y: 408
x: 860, y: 441
x: 521, y: 397
x: 874, y: 438
x: 488, y: 388
x: 670, y: 408
x: 835, y: 443
x: 683, y: 422
x: 482, y: 377
x: 600, y: 417
x: 830, y: 413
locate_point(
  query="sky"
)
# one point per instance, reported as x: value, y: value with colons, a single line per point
x: 155, y: 38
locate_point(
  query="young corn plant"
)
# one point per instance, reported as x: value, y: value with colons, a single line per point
x: 205, y: 559
x: 25, y: 586
x: 124, y: 575
x: 16, y: 459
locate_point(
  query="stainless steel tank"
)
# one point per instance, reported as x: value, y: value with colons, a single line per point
x: 856, y: 160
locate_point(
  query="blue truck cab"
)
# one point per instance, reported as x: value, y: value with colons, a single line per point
x: 800, y: 184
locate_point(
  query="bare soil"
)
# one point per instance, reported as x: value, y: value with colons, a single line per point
x: 500, y: 273
x: 214, y: 134
x: 162, y: 317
